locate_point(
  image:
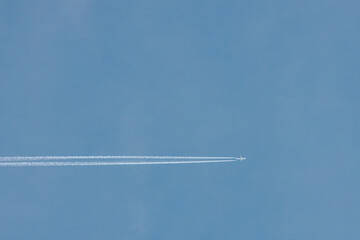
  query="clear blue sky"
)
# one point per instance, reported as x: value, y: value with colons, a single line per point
x: 277, y: 82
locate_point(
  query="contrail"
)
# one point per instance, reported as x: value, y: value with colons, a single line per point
x: 63, y: 161
x: 52, y: 158
x: 66, y: 164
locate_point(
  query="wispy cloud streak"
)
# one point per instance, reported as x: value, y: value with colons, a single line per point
x: 56, y: 158
x: 105, y: 163
x: 65, y: 161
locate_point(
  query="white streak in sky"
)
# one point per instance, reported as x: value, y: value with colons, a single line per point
x: 86, y: 163
x: 54, y: 158
x: 62, y: 161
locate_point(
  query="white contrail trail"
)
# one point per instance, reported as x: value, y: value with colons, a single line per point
x: 58, y: 161
x: 87, y: 163
x: 54, y: 158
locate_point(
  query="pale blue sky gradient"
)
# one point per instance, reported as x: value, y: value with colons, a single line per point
x: 277, y: 82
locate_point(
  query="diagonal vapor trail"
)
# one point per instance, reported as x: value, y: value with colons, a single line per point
x: 63, y: 161
x: 56, y: 158
x: 112, y: 163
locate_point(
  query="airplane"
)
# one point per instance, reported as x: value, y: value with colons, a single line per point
x: 240, y: 158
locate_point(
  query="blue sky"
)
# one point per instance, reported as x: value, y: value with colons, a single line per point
x: 277, y: 82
